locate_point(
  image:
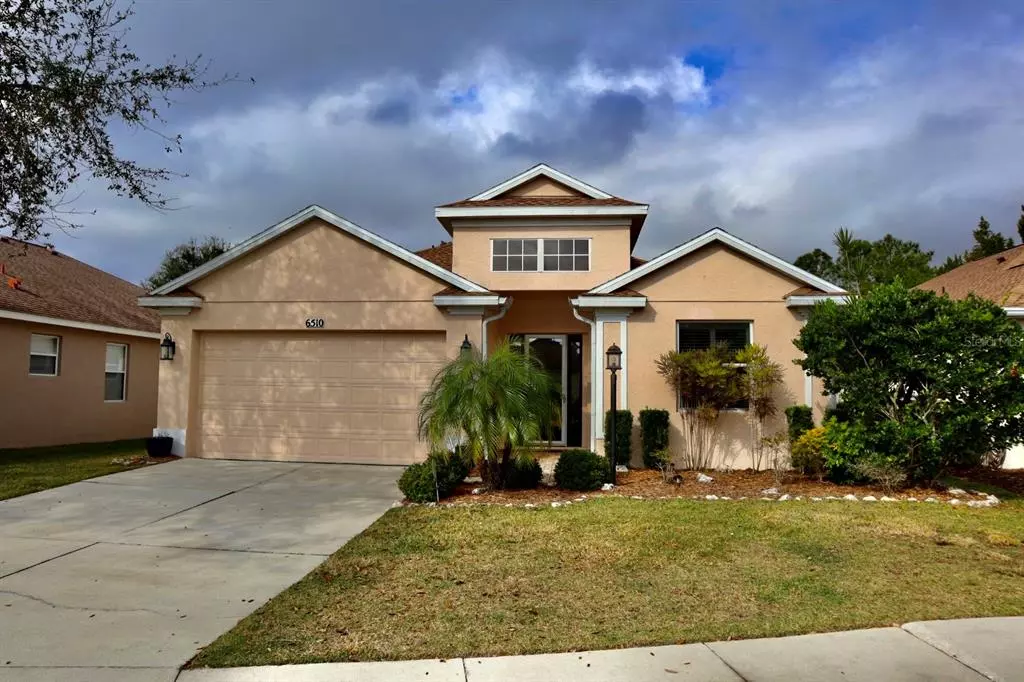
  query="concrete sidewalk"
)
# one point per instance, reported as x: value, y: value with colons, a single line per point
x: 969, y: 650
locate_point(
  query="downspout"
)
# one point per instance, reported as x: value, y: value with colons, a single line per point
x: 593, y: 379
x: 506, y: 304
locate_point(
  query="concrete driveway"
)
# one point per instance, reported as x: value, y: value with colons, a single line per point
x: 124, y: 577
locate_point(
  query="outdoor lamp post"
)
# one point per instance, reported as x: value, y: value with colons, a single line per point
x: 167, y: 347
x: 613, y: 362
x: 466, y: 346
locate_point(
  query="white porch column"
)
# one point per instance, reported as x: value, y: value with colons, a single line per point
x: 601, y: 317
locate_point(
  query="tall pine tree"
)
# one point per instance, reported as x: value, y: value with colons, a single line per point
x: 987, y: 242
x: 1020, y: 224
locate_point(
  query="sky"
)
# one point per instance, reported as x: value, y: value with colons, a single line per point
x: 777, y: 121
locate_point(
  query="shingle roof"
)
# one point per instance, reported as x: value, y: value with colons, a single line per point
x: 541, y: 201
x: 438, y: 255
x: 51, y: 284
x: 999, y: 278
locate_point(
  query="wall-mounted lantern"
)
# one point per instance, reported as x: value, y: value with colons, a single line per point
x: 167, y: 347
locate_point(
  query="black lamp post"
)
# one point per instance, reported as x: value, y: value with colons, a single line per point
x: 167, y: 347
x: 466, y: 346
x: 613, y: 357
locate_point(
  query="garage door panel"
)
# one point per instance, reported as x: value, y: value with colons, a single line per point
x: 343, y: 397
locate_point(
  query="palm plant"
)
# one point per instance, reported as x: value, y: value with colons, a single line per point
x: 493, y: 408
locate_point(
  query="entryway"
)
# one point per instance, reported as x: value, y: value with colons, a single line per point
x: 562, y: 356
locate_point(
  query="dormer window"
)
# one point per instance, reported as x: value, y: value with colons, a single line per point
x: 540, y: 255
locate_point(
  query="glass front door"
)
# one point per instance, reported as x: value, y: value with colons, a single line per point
x: 550, y: 350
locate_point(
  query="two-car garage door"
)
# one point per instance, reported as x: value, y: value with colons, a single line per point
x: 315, y: 396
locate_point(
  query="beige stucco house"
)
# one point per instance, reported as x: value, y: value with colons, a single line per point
x: 78, y: 356
x: 315, y: 339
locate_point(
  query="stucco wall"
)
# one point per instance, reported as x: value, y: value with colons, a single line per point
x: 314, y: 271
x: 609, y: 253
x: 69, y: 408
x: 714, y: 284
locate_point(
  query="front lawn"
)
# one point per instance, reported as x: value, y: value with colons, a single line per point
x: 428, y: 582
x: 34, y: 469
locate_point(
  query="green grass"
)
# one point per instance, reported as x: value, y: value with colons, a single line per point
x: 34, y: 469
x: 480, y: 581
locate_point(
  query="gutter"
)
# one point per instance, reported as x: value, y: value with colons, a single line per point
x: 506, y: 303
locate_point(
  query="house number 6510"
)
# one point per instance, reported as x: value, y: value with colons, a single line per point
x: 314, y: 323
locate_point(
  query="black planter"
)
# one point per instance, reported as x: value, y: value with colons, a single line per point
x: 159, y: 446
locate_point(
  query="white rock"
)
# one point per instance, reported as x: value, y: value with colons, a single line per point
x: 869, y: 498
x: 798, y: 497
x: 556, y: 505
x: 702, y: 478
x: 784, y: 498
x: 580, y: 499
x: 851, y: 497
x: 770, y: 491
x: 477, y: 491
x: 607, y: 486
x: 815, y: 499
x: 743, y: 498
x: 930, y: 499
x: 954, y: 502
x: 832, y: 497
x: 474, y: 479
x: 725, y: 497
x: 635, y: 497
x: 978, y: 503
x: 886, y: 498
x: 770, y: 499
x: 957, y: 491
x: 911, y: 499
x: 396, y: 503
x: 621, y: 468
x: 509, y: 504
x: 530, y: 505
x: 711, y: 497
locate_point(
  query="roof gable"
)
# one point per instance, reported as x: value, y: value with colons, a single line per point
x: 333, y: 219
x: 716, y: 235
x: 50, y: 284
x: 541, y: 170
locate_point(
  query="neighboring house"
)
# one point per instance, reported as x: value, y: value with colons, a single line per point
x: 78, y: 356
x: 998, y: 278
x: 314, y: 339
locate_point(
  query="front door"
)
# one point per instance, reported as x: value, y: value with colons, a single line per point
x: 551, y: 350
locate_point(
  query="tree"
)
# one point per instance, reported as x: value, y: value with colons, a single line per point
x: 1020, y: 224
x: 928, y: 382
x: 494, y: 408
x: 860, y: 264
x: 763, y: 376
x: 987, y: 242
x: 185, y: 258
x: 67, y: 77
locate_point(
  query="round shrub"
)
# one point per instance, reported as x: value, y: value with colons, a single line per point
x: 580, y: 470
x: 808, y: 455
x: 523, y: 474
x: 418, y: 482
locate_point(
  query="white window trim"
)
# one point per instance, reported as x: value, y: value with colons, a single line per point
x: 750, y: 340
x: 540, y: 254
x: 56, y: 364
x: 124, y: 374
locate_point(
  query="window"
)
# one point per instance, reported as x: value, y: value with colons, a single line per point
x: 540, y: 255
x: 116, y: 372
x: 44, y: 355
x: 701, y: 335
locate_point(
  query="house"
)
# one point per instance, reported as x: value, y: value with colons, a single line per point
x: 998, y: 278
x: 78, y: 356
x: 314, y: 339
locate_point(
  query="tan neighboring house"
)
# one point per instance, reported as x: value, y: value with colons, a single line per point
x: 314, y: 339
x: 78, y: 356
x: 1000, y: 279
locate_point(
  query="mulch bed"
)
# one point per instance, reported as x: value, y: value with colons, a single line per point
x: 1008, y: 479
x: 648, y: 484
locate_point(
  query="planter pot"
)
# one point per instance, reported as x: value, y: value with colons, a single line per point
x: 159, y: 446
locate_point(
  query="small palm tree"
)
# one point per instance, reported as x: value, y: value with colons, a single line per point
x: 494, y: 408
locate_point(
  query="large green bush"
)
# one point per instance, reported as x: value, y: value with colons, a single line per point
x: 623, y: 435
x: 799, y: 421
x: 523, y: 474
x: 581, y: 470
x: 928, y: 383
x: 434, y: 479
x: 653, y: 435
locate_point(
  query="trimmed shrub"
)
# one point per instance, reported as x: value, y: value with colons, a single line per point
x: 653, y: 435
x: 800, y: 421
x: 623, y: 435
x: 581, y: 470
x: 808, y: 455
x: 434, y: 479
x: 523, y: 474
